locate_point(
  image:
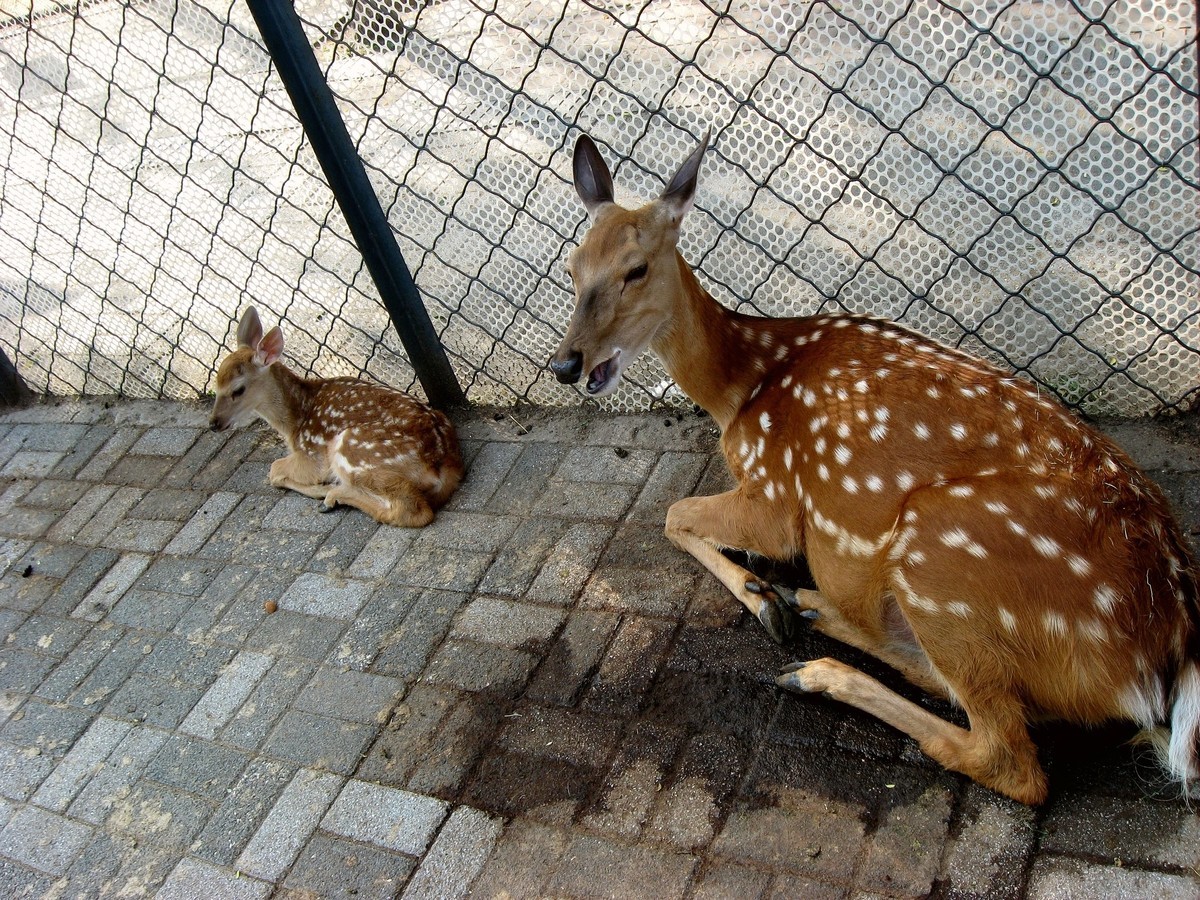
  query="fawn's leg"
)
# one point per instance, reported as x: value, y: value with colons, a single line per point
x: 404, y: 506
x: 997, y: 750
x: 702, y: 526
x: 298, y: 472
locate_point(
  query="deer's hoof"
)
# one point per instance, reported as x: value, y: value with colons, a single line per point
x: 792, y: 679
x: 777, y: 619
x: 326, y: 508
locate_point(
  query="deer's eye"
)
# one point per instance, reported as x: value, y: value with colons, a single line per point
x: 238, y: 391
x: 636, y: 274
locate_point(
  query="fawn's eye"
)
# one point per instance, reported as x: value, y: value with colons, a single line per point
x: 238, y: 391
x: 636, y: 274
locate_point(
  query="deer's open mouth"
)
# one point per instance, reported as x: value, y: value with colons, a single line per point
x: 603, y: 378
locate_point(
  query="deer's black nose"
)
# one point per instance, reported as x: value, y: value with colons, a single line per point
x: 569, y: 369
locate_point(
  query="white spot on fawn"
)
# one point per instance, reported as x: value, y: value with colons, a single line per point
x: 958, y: 431
x: 1105, y: 599
x: 905, y: 481
x: 1046, y: 546
x: 921, y: 430
x: 1008, y: 620
x: 874, y: 483
x: 787, y: 458
x: 850, y: 485
x: 1055, y: 623
x: 878, y: 432
x: 842, y: 454
x: 764, y: 422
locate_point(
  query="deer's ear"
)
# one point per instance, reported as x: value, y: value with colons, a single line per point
x: 249, y: 331
x: 270, y: 348
x: 593, y: 181
x: 682, y: 189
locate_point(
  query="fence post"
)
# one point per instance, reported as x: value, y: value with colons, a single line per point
x: 326, y: 130
x: 13, y: 390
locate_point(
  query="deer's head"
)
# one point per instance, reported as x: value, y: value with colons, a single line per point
x: 625, y: 272
x: 243, y: 386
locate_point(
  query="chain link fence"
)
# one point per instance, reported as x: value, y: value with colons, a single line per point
x: 1016, y: 178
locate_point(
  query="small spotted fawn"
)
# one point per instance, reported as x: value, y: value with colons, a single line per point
x: 351, y: 442
x: 959, y: 525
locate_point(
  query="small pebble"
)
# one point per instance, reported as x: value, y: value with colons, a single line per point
x: 270, y: 606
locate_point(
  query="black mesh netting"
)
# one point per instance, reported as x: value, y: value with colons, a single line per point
x: 1019, y: 179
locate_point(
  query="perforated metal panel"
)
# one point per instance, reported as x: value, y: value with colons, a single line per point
x: 1016, y: 178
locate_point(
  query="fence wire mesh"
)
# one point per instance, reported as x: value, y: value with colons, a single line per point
x: 1016, y: 178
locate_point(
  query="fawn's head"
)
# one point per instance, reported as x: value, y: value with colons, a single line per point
x: 625, y: 272
x: 242, y: 382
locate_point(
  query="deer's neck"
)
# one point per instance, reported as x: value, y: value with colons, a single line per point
x: 707, y: 352
x: 290, y: 403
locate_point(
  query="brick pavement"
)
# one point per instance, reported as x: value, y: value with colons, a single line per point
x: 535, y: 696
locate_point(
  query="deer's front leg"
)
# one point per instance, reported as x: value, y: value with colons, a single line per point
x: 299, y: 473
x: 702, y: 526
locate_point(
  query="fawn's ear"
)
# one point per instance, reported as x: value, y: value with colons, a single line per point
x: 249, y: 331
x: 593, y: 181
x: 270, y: 348
x: 680, y: 192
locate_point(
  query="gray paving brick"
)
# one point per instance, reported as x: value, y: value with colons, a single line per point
x: 223, y: 463
x: 373, y: 627
x: 28, y: 594
x: 81, y: 661
x: 381, y: 552
x: 568, y: 566
x: 186, y: 471
x: 454, y: 751
x: 666, y: 430
x: 117, y: 864
x: 50, y: 635
x: 572, y: 658
x: 80, y: 453
x: 480, y: 667
x: 156, y: 814
x: 299, y: 513
x: 634, y: 780
x: 153, y: 701
x: 288, y: 825
x: 389, y: 817
x: 168, y: 504
x: 579, y: 738
x: 484, y: 476
x: 141, y: 535
x: 227, y: 694
x: 480, y: 532
x: 195, y: 878
x: 53, y: 436
x: 139, y: 471
x: 108, y: 516
x: 603, y: 465
x: 624, y: 871
x: 203, y: 523
x: 590, y: 501
x: 21, y: 671
x: 1125, y: 829
x: 31, y: 464
x: 321, y: 595
x: 724, y: 881
x: 427, y: 565
x: 319, y: 742
x: 525, y: 480
x: 11, y: 550
x: 525, y: 856
x: 409, y: 647
x: 275, y: 547
x: 54, y: 494
x: 117, y: 776
x: 45, y: 727
x: 242, y: 810
x: 19, y: 522
x: 687, y: 811
x: 43, y: 840
x: 629, y: 666
x: 331, y: 866
x: 268, y: 700
x: 179, y: 659
x: 507, y: 623
x: 1056, y: 878
x: 287, y: 633
x: 56, y: 560
x: 989, y: 855
x: 109, y: 454
x: 518, y: 563
x: 405, y: 741
x: 104, y: 596
x: 674, y: 476
x: 22, y: 769
x: 11, y: 441
x: 342, y: 546
x: 188, y: 576
x: 81, y: 762
x: 456, y: 857
x: 81, y: 512
x: 628, y: 589
x: 162, y: 440
x: 196, y: 766
x: 352, y: 695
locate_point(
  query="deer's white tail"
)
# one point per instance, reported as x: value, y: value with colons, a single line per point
x: 1179, y: 750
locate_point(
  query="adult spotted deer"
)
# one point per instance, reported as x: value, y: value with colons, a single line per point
x: 351, y: 442
x: 959, y: 525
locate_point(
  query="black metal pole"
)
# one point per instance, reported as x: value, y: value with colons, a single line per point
x: 326, y: 131
x: 13, y: 390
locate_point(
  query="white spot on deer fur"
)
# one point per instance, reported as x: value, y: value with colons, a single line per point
x: 744, y: 450
x: 787, y: 458
x: 882, y: 373
x: 1145, y: 703
x: 921, y: 430
x: 769, y: 490
x: 800, y: 340
x: 764, y: 422
x: 997, y: 507
x: 815, y: 425
x: 834, y: 373
x: 878, y: 432
x: 1079, y: 565
x: 960, y: 609
x: 842, y: 454
x: 916, y: 558
x: 1055, y: 444
x: 923, y: 603
x: 849, y: 485
x: 1105, y: 599
x: 1054, y: 623
x: 874, y: 483
x: 1092, y: 629
x: 760, y: 473
x: 786, y: 382
x: 843, y: 430
x: 816, y: 335
x: 1045, y: 491
x: 904, y: 480
x: 823, y: 472
x: 958, y: 431
x: 861, y: 386
x: 819, y: 445
x: 867, y: 328
x: 962, y: 490
x: 932, y: 392
x: 1007, y: 619
x: 861, y: 415
x: 1047, y: 546
x: 841, y: 323
x: 1016, y: 527
x: 842, y: 396
x: 810, y: 399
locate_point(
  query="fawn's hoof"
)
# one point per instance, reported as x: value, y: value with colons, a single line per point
x: 773, y: 612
